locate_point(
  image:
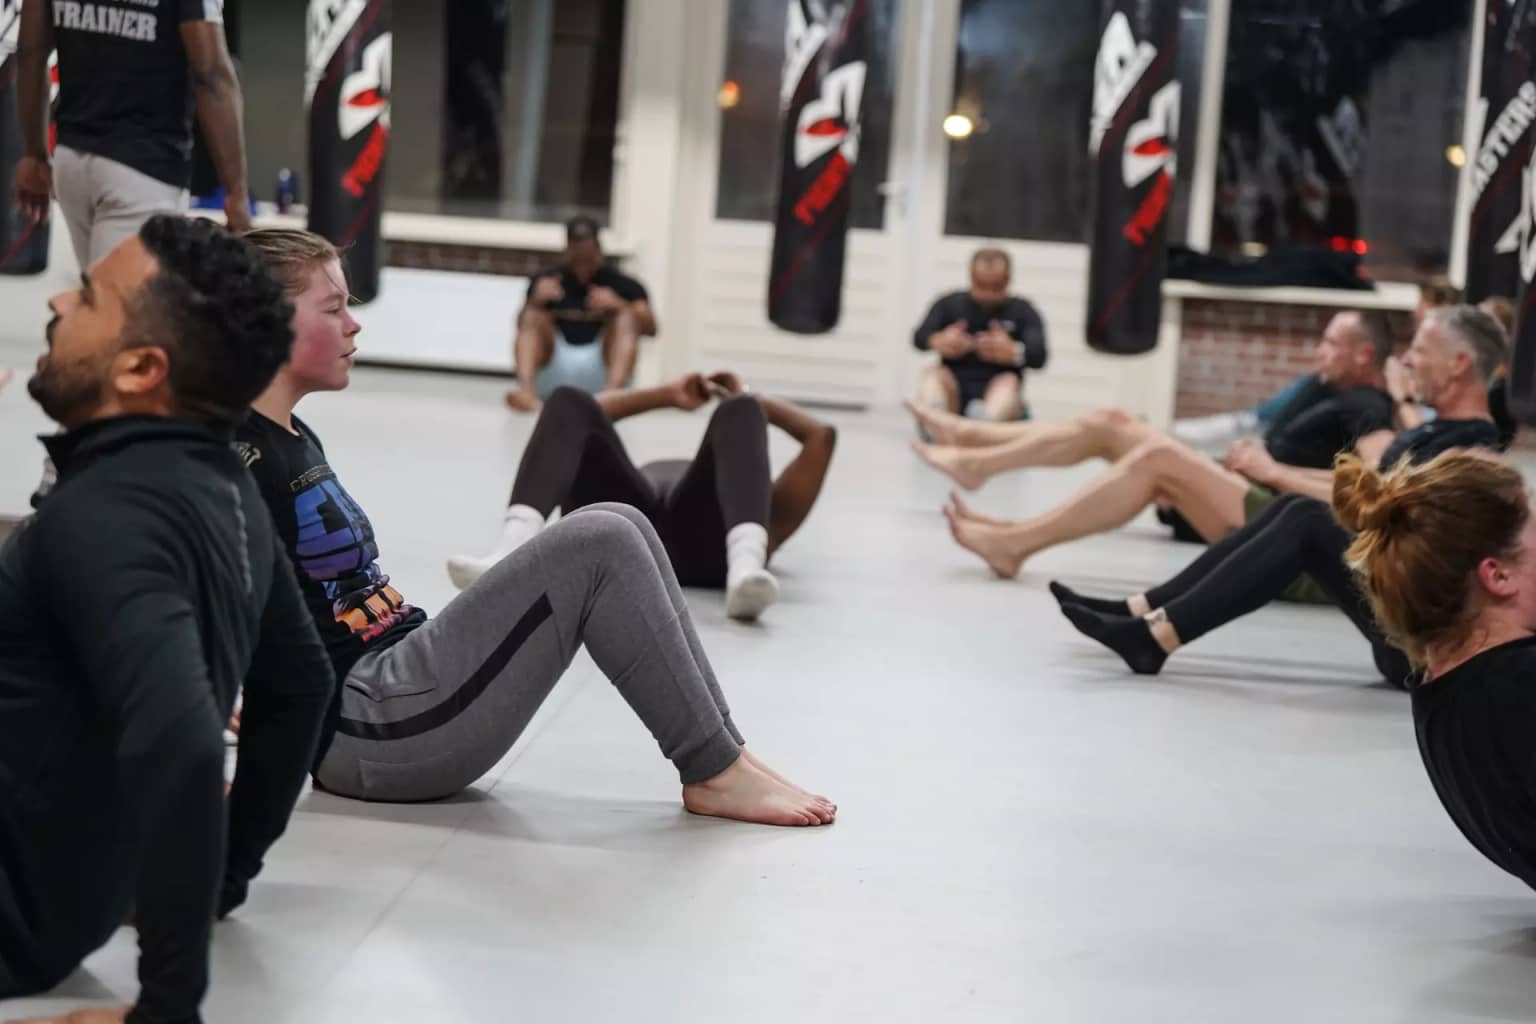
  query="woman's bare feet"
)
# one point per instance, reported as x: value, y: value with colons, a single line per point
x: 991, y: 543
x: 523, y: 401
x: 944, y: 427
x: 965, y: 511
x: 744, y: 792
x: 760, y: 766
x: 959, y: 464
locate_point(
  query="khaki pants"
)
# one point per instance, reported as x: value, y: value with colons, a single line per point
x: 105, y: 202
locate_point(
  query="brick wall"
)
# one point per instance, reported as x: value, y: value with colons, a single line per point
x: 473, y: 259
x: 1233, y: 355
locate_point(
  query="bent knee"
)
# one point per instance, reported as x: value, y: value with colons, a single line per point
x: 1156, y: 456
x: 745, y: 409
x: 1107, y: 419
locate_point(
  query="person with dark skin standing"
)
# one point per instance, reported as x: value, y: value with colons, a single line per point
x: 144, y: 593
x: 130, y: 77
x: 581, y: 326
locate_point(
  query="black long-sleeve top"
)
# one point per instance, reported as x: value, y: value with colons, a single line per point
x: 145, y: 589
x: 1018, y: 319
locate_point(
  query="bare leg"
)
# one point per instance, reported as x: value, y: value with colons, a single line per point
x: 1108, y: 434
x: 1004, y: 399
x: 938, y: 390
x: 621, y: 349
x: 1210, y: 497
x: 953, y: 429
x: 531, y: 352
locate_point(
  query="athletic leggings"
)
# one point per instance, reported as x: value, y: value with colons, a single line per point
x: 427, y: 717
x: 575, y: 459
x: 1253, y: 565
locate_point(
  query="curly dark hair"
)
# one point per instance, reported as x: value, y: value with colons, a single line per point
x: 219, y: 313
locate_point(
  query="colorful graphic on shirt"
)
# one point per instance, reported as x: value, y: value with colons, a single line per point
x: 336, y: 548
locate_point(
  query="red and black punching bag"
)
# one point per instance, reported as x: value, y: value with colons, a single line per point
x: 1133, y: 141
x: 1505, y: 112
x: 347, y: 100
x: 821, y: 100
x: 23, y: 244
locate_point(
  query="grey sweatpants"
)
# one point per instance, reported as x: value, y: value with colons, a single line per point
x: 427, y: 717
x: 105, y: 202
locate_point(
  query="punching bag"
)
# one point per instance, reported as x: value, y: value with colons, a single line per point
x: 820, y: 101
x: 346, y: 93
x: 23, y: 244
x: 1133, y: 141
x: 1504, y: 114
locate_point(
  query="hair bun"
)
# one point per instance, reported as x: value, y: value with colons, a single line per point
x: 1362, y: 497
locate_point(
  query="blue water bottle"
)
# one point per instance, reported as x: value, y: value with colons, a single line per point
x: 287, y: 190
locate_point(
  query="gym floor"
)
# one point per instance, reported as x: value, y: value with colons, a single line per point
x: 1027, y: 832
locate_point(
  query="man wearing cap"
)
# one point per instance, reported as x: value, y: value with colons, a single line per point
x: 581, y: 324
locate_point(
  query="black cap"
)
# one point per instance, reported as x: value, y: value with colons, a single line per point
x: 581, y: 229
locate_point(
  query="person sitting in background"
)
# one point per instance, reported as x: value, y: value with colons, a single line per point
x: 720, y: 516
x: 1296, y: 539
x: 985, y: 339
x: 1213, y: 498
x: 1343, y: 401
x: 134, y: 604
x: 581, y: 325
x: 1411, y: 411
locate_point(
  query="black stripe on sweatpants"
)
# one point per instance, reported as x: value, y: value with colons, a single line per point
x: 441, y: 714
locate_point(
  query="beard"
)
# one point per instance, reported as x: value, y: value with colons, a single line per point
x: 66, y: 394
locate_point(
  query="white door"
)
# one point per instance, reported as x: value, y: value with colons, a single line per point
x: 728, y: 174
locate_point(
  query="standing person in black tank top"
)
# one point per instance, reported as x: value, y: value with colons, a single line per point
x: 721, y: 516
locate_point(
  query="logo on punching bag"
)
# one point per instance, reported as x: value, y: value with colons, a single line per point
x: 827, y: 122
x: 329, y: 23
x: 364, y: 100
x: 1151, y: 144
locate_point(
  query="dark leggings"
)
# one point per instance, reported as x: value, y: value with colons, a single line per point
x: 1252, y: 566
x: 575, y: 459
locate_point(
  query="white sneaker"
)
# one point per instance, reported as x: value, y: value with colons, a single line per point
x: 750, y: 595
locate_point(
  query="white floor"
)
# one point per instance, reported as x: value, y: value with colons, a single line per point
x: 1027, y: 832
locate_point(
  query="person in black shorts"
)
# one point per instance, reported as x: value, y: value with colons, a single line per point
x: 986, y: 339
x: 1296, y: 535
x: 581, y: 325
x: 1215, y: 498
x: 1446, y: 554
x: 147, y: 589
x: 130, y: 76
x: 721, y: 516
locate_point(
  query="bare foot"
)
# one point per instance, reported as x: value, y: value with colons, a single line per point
x: 989, y: 542
x: 744, y: 792
x: 956, y: 463
x: 523, y: 401
x: 965, y: 511
x: 5, y: 378
x: 760, y: 766
x: 944, y: 427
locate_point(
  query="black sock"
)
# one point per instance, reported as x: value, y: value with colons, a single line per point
x: 1065, y: 595
x: 1132, y: 639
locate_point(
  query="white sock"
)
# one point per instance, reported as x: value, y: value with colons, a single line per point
x: 746, y: 551
x: 749, y: 587
x: 522, y: 524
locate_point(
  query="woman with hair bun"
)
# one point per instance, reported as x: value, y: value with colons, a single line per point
x: 1446, y: 553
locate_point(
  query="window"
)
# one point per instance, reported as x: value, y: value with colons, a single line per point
x: 1338, y: 126
x: 749, y: 100
x: 1024, y: 83
x: 500, y: 108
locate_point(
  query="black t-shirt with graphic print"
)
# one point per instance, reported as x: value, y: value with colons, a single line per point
x: 330, y: 542
x: 124, y: 92
x: 578, y: 324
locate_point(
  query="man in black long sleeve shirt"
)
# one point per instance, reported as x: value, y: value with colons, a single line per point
x: 986, y: 339
x: 147, y: 587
